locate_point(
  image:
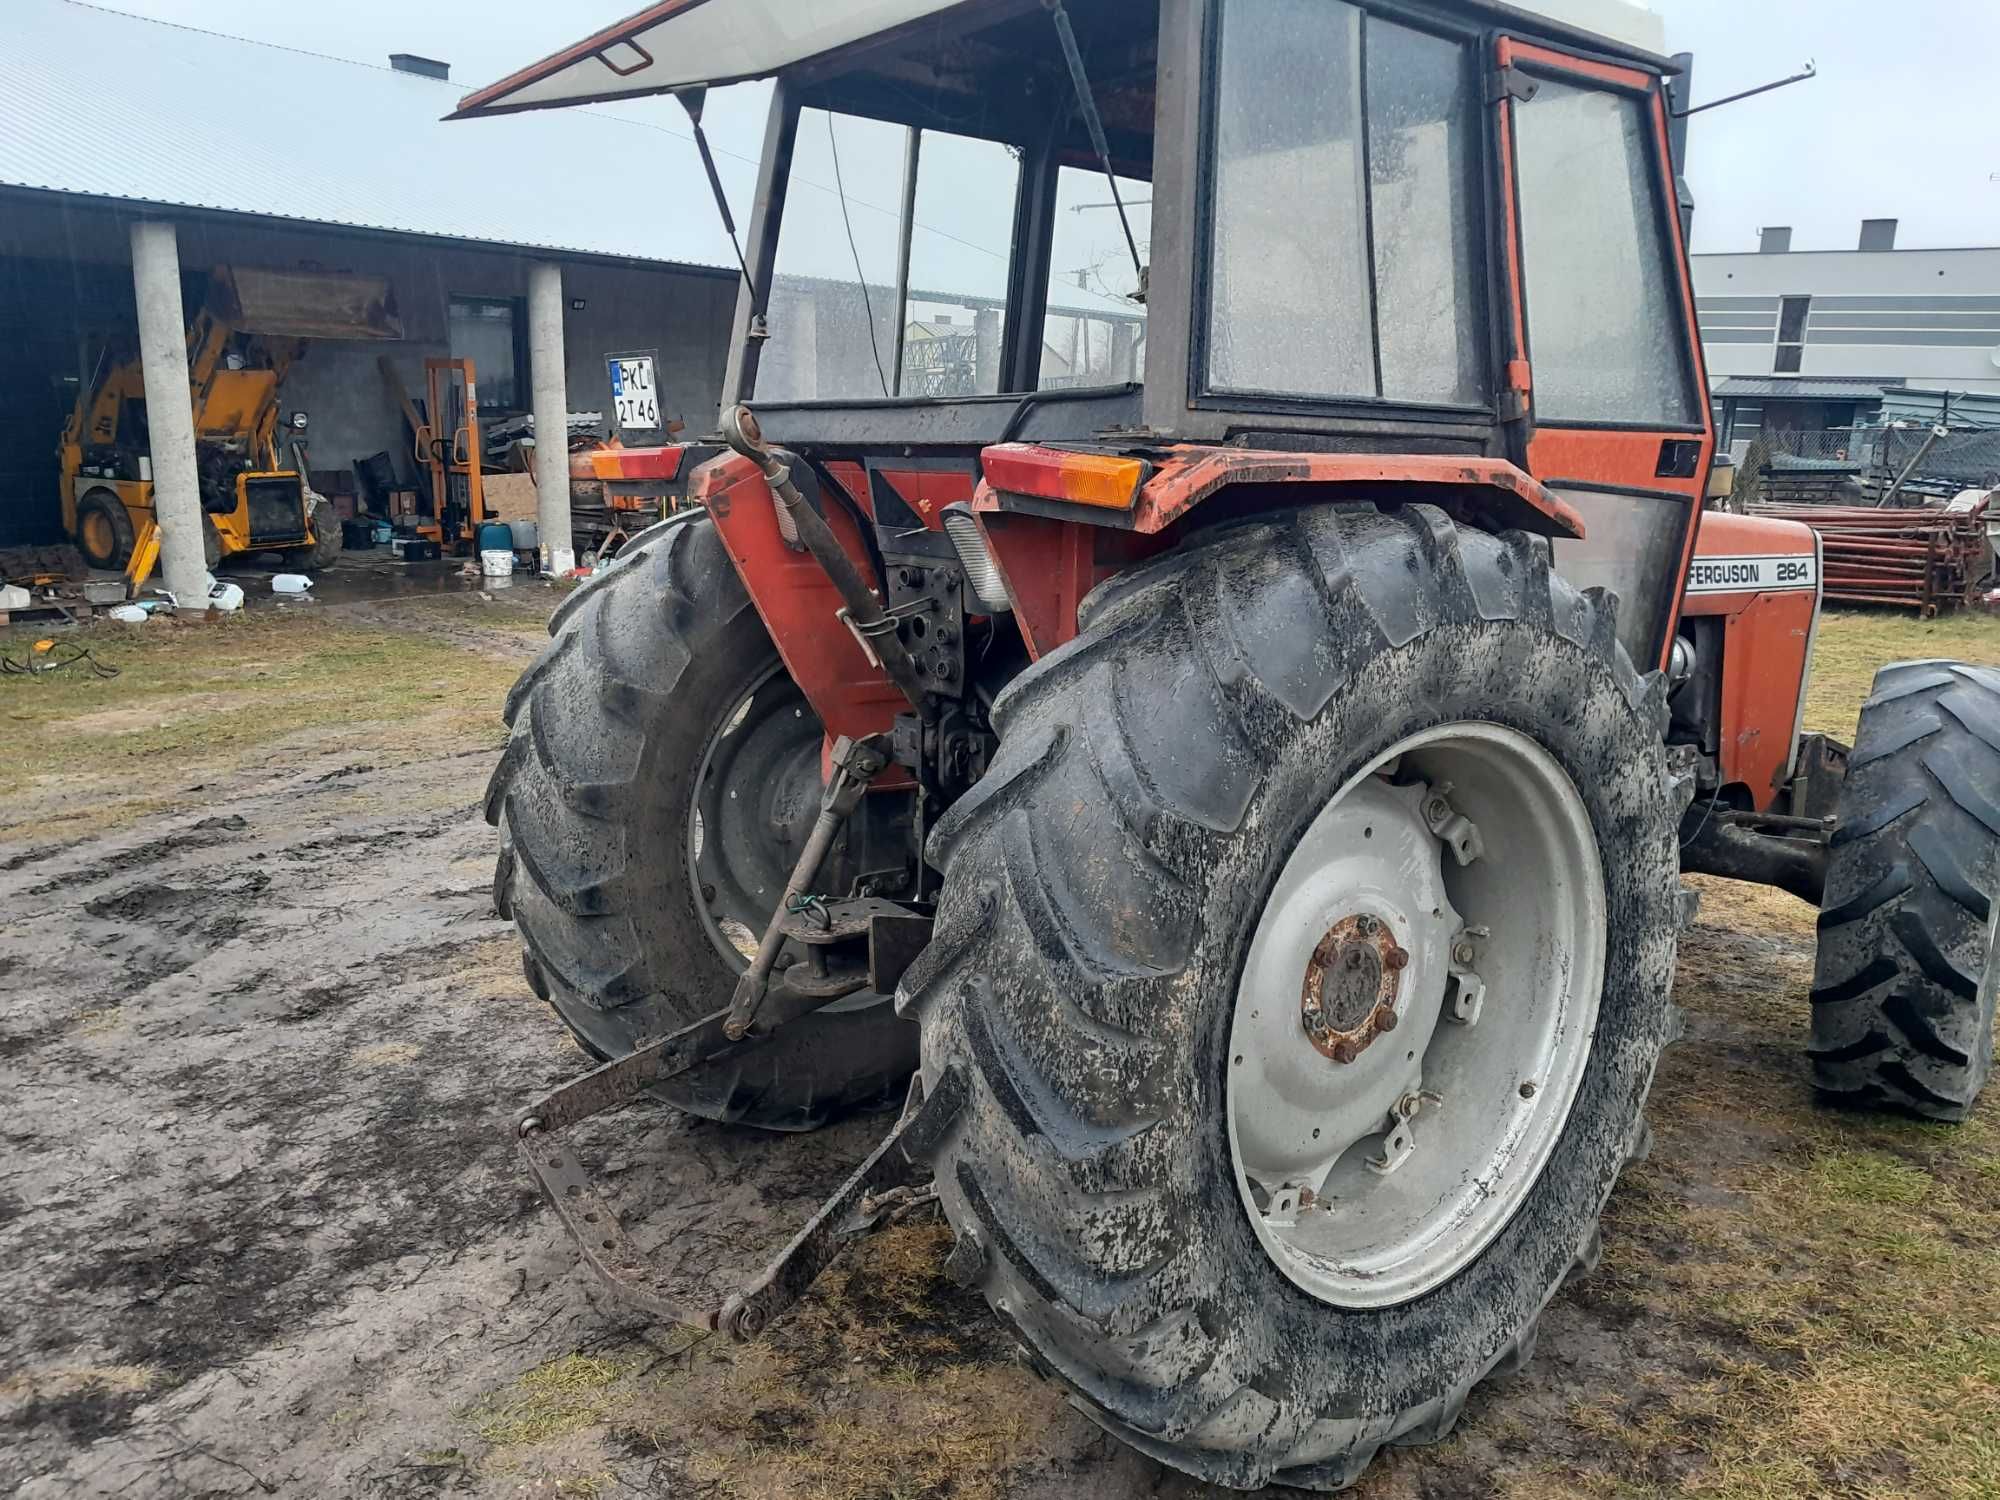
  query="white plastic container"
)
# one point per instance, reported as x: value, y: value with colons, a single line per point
x: 497, y: 563
x: 129, y: 614
x: 290, y: 583
x: 225, y: 597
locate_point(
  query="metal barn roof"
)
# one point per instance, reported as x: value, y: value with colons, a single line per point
x: 1802, y: 388
x: 115, y: 106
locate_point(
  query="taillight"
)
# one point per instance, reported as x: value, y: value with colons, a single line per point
x: 1100, y: 479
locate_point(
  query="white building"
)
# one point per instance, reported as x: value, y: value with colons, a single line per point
x: 1806, y: 340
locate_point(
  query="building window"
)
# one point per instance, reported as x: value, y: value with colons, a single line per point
x: 1791, y: 334
x: 488, y: 331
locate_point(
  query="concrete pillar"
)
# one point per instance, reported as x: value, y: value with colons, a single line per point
x: 551, y: 404
x: 1124, y: 348
x: 986, y: 350
x: 156, y: 277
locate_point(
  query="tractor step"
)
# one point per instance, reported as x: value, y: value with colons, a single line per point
x: 874, y: 1189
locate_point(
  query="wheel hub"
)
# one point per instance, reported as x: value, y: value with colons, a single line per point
x: 1352, y: 980
x: 1437, y: 936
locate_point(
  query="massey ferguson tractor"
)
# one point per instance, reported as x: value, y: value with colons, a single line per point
x: 1225, y: 775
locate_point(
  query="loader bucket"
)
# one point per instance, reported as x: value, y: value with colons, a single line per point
x: 305, y: 304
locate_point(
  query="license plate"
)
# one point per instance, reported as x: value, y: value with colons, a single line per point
x: 635, y: 394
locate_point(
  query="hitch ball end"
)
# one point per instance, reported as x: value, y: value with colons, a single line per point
x: 741, y: 432
x: 742, y: 1321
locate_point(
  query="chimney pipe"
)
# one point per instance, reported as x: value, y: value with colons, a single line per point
x: 1775, y: 240
x: 424, y: 67
x: 1878, y: 234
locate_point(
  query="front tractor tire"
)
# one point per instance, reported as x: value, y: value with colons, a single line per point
x: 1909, y: 936
x: 660, y: 772
x: 1300, y: 773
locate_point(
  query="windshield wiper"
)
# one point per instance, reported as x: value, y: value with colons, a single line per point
x: 692, y: 101
x: 1087, y: 102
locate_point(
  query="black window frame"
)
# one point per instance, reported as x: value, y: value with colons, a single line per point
x: 1666, y: 214
x: 1478, y: 43
x: 517, y: 308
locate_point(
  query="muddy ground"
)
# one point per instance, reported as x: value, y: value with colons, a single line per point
x: 262, y: 1232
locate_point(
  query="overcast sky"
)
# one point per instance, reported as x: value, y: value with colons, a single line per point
x: 1899, y: 124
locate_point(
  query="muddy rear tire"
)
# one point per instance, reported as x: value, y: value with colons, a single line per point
x: 1102, y: 889
x: 595, y: 802
x: 1904, y: 986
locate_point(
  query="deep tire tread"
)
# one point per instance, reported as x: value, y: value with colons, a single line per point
x: 1899, y: 1017
x: 1074, y: 893
x: 640, y: 659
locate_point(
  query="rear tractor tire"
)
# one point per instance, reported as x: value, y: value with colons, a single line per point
x: 1909, y: 929
x: 660, y: 775
x: 1306, y: 954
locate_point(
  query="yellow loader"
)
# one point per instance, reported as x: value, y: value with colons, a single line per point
x: 251, y: 327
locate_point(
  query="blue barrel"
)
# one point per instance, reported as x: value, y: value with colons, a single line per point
x: 496, y: 536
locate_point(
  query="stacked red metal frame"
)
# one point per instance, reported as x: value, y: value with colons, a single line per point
x: 1924, y: 559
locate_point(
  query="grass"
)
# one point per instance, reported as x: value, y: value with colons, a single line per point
x: 1819, y: 1291
x: 550, y: 1401
x: 884, y: 1382
x: 1853, y: 643
x: 205, y: 698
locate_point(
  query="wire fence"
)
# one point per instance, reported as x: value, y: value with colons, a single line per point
x: 1846, y: 462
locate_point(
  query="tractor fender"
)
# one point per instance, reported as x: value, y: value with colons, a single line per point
x: 1487, y: 493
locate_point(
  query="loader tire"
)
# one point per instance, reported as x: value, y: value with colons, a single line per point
x: 325, y: 547
x: 1909, y: 937
x: 104, y: 531
x: 594, y: 797
x: 1102, y: 888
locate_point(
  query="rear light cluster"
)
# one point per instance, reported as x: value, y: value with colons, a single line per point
x: 1103, y: 480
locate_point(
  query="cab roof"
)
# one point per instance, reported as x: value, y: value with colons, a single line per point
x: 684, y: 44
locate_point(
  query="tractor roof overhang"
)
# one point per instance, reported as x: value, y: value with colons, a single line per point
x: 680, y: 44
x: 684, y: 44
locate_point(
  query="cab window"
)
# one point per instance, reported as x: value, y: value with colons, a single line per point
x: 1343, y: 260
x: 836, y: 321
x: 1095, y: 329
x: 1606, y: 340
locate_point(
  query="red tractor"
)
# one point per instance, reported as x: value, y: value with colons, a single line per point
x: 1210, y: 655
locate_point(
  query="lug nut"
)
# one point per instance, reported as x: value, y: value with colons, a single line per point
x: 1367, y: 925
x: 1395, y: 958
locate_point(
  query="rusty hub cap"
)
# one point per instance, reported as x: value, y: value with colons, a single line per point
x: 1351, y: 984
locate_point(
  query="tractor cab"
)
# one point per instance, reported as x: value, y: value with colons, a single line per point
x: 1434, y: 231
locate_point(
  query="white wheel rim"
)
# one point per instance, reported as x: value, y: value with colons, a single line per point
x: 1379, y: 1157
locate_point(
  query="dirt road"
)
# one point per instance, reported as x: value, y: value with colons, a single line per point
x: 261, y: 1232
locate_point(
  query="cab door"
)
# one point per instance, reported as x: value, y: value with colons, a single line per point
x: 1605, y: 370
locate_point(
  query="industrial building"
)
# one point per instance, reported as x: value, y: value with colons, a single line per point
x: 137, y: 156
x: 1806, y: 341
